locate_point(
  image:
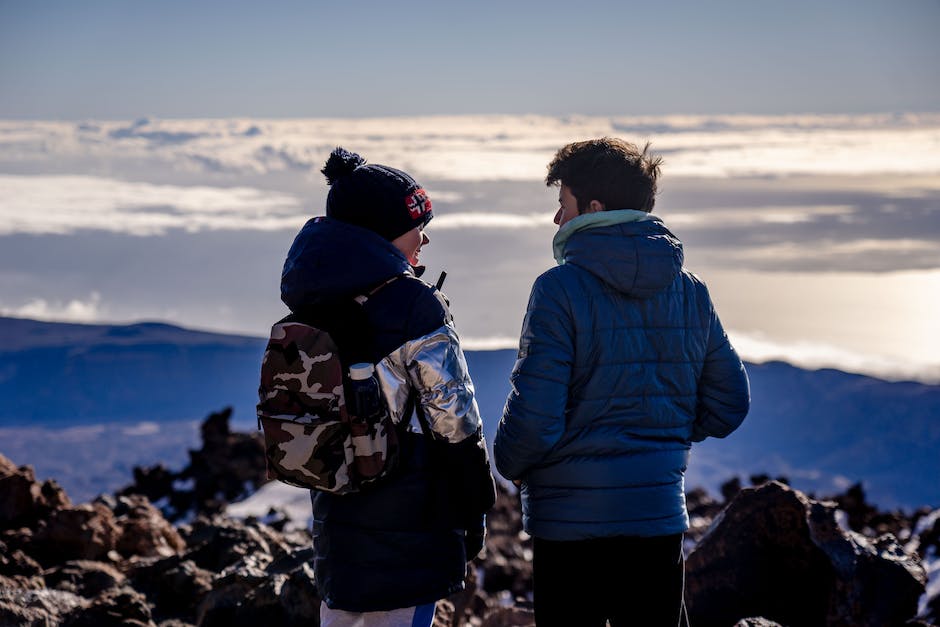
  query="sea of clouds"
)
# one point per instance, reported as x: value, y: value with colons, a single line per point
x: 818, y: 234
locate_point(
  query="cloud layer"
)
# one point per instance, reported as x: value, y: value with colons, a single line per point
x: 75, y: 310
x: 189, y: 220
x: 65, y: 204
x: 473, y: 148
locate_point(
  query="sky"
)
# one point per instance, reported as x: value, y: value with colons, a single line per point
x: 156, y: 159
x: 119, y: 59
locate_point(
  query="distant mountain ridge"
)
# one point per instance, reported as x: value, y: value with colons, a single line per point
x: 58, y: 373
x: 823, y: 429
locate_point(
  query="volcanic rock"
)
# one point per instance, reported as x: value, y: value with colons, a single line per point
x: 248, y: 595
x: 219, y: 542
x: 82, y: 532
x: 37, y: 608
x: 230, y: 465
x: 174, y: 586
x: 506, y: 563
x: 84, y: 577
x: 24, y: 501
x: 776, y: 553
x: 120, y: 607
x: 770, y: 554
x: 19, y: 570
x: 144, y: 530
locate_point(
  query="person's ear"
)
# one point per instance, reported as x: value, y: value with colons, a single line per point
x: 594, y: 206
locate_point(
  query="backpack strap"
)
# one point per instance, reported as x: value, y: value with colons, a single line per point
x: 346, y: 321
x: 363, y: 298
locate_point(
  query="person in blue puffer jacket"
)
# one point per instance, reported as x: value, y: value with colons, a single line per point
x: 622, y: 364
x: 384, y: 556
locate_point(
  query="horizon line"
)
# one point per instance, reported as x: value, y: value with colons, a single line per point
x: 888, y: 372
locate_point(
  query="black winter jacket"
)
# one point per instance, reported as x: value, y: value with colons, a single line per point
x: 403, y: 542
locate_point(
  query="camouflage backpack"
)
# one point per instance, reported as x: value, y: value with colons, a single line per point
x: 311, y: 439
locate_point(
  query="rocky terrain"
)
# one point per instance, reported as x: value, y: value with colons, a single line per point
x: 161, y: 552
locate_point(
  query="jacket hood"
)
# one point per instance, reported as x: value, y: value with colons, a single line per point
x: 632, y: 251
x: 330, y: 259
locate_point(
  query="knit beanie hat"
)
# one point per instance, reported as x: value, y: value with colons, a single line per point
x: 376, y: 197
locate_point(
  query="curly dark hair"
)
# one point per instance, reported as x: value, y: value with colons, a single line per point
x: 612, y: 171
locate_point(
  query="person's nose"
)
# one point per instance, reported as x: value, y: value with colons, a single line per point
x: 425, y: 240
x: 558, y: 216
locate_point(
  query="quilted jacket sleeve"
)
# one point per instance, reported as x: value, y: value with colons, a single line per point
x: 534, y: 416
x: 723, y: 392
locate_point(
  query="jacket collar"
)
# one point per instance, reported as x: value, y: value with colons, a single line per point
x: 592, y: 221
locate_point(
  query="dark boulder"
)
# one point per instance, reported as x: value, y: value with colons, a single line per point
x: 144, y: 530
x: 37, y: 608
x: 777, y: 554
x: 81, y: 532
x: 229, y: 466
x: 220, y: 542
x: 154, y: 482
x: 246, y: 594
x: 84, y: 577
x: 506, y: 563
x: 702, y: 510
x: 119, y: 607
x: 174, y: 586
x: 19, y: 570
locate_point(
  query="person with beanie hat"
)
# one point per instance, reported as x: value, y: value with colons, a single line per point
x: 386, y: 555
x: 376, y: 197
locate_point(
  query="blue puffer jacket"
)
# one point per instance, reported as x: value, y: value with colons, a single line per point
x: 622, y: 364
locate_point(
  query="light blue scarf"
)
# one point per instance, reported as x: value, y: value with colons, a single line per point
x: 592, y: 221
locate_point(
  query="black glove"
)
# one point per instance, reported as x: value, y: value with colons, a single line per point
x: 470, y: 481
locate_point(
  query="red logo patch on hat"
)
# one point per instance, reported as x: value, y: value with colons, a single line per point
x: 418, y: 203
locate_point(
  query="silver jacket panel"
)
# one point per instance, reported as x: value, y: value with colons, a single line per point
x: 434, y: 365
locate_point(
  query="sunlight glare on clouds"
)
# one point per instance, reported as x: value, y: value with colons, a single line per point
x: 883, y: 324
x: 483, y: 220
x: 65, y: 204
x: 778, y: 152
x: 759, y: 348
x: 831, y: 249
x: 744, y: 216
x: 477, y: 164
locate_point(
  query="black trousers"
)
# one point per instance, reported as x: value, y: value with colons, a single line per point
x: 626, y: 580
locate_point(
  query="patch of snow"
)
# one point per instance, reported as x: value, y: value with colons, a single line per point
x: 842, y: 519
x: 184, y: 485
x: 927, y: 522
x: 295, y: 502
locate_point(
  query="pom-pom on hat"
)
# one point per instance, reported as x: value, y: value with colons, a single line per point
x: 376, y: 197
